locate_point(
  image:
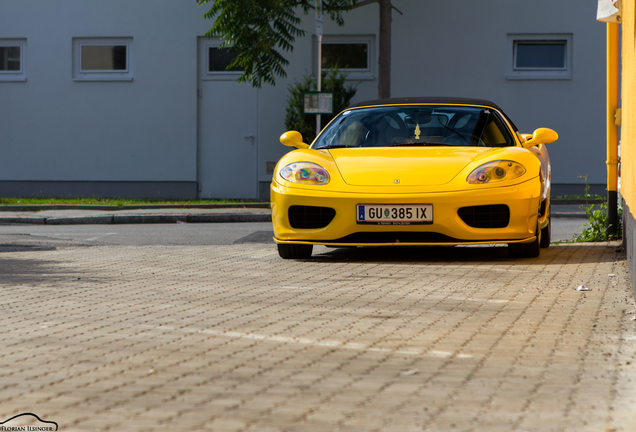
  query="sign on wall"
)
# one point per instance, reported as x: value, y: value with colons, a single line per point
x: 318, y: 103
x: 609, y: 11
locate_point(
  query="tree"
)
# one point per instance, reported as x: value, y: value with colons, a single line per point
x: 261, y: 30
x: 332, y: 81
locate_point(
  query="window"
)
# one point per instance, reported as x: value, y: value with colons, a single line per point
x: 99, y: 59
x: 418, y: 125
x: 220, y: 58
x: 103, y: 58
x: 347, y: 56
x: 539, y: 57
x: 12, y: 60
x: 214, y: 61
x: 352, y: 54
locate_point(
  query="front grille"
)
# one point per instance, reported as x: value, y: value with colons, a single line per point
x: 395, y: 237
x: 309, y: 217
x: 486, y: 216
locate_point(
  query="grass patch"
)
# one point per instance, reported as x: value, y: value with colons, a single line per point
x: 120, y: 202
x: 596, y: 227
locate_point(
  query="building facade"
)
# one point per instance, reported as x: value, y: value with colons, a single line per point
x: 125, y: 98
x: 628, y: 133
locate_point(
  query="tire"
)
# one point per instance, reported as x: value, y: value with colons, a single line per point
x: 295, y: 251
x: 526, y: 250
x: 546, y: 234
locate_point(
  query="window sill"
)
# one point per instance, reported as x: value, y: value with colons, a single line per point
x: 538, y: 77
x: 101, y: 78
x: 355, y: 76
x: 358, y: 77
x: 12, y: 78
x: 221, y: 76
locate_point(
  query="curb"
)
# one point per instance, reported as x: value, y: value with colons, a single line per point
x: 138, y: 219
x: 577, y: 201
x: 171, y: 219
x: 42, y: 207
x: 568, y: 215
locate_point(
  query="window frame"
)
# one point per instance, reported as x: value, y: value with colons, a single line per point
x: 352, y: 74
x: 102, y: 75
x: 208, y: 75
x: 515, y: 73
x: 382, y: 119
x: 19, y: 75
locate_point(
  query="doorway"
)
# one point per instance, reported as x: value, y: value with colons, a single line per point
x: 227, y: 127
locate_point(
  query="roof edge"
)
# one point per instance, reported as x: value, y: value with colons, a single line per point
x: 427, y: 100
x: 434, y: 100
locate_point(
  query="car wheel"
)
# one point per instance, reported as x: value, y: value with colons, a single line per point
x: 294, y: 251
x: 526, y: 250
x: 546, y: 233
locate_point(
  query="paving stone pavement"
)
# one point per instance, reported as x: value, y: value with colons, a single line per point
x: 233, y: 338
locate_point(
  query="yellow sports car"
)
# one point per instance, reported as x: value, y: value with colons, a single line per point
x: 414, y: 171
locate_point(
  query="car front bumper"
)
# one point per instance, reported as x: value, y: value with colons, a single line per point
x: 447, y: 228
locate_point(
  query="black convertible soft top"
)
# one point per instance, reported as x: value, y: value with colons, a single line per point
x: 433, y: 100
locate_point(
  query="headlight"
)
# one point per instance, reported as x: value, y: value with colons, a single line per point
x: 496, y: 171
x: 305, y: 173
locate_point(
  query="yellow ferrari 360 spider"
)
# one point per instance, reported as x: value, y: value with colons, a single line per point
x: 414, y: 171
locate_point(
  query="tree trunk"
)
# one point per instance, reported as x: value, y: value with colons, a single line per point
x: 384, y: 62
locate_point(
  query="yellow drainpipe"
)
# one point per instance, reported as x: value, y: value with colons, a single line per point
x: 613, y: 120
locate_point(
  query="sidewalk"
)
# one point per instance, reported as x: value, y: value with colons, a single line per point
x: 167, y: 214
x: 138, y: 215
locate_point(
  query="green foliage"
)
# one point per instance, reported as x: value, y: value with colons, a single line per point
x: 332, y: 81
x: 260, y: 30
x: 595, y: 229
x: 587, y: 185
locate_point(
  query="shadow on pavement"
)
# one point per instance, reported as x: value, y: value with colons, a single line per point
x: 261, y: 237
x: 25, y: 248
x: 555, y: 254
x: 26, y: 273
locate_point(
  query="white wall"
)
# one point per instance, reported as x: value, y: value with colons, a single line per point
x: 54, y: 129
x: 459, y: 48
x: 273, y: 100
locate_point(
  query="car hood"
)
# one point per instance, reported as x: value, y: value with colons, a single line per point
x: 407, y: 166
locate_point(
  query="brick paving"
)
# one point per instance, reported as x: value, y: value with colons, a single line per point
x: 233, y: 338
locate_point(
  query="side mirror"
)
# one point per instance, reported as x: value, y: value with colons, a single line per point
x: 541, y: 136
x: 293, y: 139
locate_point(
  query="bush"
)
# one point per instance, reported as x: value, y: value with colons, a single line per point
x: 332, y: 81
x: 595, y: 229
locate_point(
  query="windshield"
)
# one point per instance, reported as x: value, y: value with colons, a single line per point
x: 425, y: 125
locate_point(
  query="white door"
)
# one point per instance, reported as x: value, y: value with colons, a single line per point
x: 228, y: 141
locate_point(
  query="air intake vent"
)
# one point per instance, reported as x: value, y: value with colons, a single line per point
x: 486, y: 216
x: 308, y: 217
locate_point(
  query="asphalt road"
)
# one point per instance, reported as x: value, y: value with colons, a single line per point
x: 139, y: 235
x: 176, y: 234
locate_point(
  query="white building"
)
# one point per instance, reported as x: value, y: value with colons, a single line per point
x: 119, y: 98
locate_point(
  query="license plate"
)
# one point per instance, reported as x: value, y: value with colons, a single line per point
x: 397, y: 214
